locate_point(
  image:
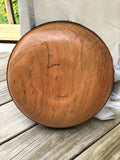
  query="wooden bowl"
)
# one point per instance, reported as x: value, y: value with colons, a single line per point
x: 60, y: 74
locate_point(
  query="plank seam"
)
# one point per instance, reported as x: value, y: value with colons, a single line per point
x: 6, y: 102
x: 7, y: 140
x: 73, y: 158
x: 3, y: 80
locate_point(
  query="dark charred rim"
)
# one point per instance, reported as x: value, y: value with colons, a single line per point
x: 58, y: 21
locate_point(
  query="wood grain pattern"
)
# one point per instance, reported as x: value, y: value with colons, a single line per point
x: 45, y: 143
x: 12, y: 122
x: 107, y: 148
x: 5, y: 51
x: 60, y: 74
x: 3, y: 67
x: 4, y: 94
x: 55, y: 144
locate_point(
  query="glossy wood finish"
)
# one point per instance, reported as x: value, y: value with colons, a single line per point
x: 27, y: 141
x: 60, y: 74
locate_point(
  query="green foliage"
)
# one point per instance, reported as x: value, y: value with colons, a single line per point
x: 15, y: 9
x: 3, y: 13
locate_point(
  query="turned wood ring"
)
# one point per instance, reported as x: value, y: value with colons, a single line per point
x: 60, y: 74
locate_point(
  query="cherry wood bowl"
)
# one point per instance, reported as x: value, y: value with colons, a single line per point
x: 60, y: 74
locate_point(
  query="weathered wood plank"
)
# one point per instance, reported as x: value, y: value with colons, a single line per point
x: 12, y: 122
x: 10, y: 14
x: 107, y: 148
x: 9, y: 32
x: 5, y: 51
x: 63, y: 144
x: 4, y: 93
x: 2, y: 73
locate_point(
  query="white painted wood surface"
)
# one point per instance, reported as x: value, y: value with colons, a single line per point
x: 4, y: 94
x: 107, y: 148
x: 55, y: 144
x: 12, y: 122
